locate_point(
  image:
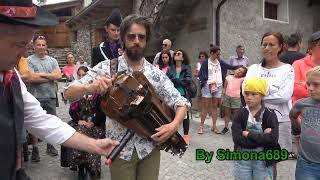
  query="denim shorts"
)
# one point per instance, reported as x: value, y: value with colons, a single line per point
x: 252, y: 170
x: 306, y: 170
x: 207, y: 94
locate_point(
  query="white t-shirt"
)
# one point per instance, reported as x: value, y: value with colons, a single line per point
x: 214, y: 73
x: 198, y: 66
x: 280, y: 87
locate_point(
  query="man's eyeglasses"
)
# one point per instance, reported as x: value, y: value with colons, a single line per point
x: 132, y: 37
x: 165, y: 45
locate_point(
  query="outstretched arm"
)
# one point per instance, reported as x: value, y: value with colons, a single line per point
x: 96, y: 146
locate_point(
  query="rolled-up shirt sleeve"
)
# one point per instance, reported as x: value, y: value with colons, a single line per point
x: 45, y: 126
x: 91, y: 74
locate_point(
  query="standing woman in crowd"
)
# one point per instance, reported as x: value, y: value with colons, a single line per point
x: 202, y: 57
x: 165, y: 61
x: 180, y: 74
x: 212, y: 74
x: 280, y: 78
x: 70, y: 67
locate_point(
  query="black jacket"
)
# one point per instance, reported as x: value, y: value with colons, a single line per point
x: 12, y: 119
x: 254, y: 140
x: 98, y: 57
x: 184, y: 80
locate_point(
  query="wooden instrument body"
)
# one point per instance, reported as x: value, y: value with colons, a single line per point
x: 132, y: 102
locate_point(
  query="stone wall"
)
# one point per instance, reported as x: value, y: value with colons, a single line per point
x: 242, y: 22
x: 59, y: 54
x: 82, y: 44
x: 197, y: 33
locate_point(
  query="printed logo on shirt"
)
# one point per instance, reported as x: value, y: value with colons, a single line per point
x: 268, y: 75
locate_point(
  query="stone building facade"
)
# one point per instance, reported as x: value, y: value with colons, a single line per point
x: 241, y: 22
x: 87, y: 27
x: 81, y: 42
x: 247, y: 29
x: 58, y: 37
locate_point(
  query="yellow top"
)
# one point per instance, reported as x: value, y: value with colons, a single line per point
x: 22, y: 66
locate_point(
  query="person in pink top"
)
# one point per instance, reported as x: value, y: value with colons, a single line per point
x: 231, y: 95
x: 165, y: 61
x: 70, y: 67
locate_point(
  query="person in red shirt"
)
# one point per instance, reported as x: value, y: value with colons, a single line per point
x: 70, y: 67
x: 302, y: 66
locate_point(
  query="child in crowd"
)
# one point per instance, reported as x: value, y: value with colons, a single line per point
x: 254, y: 129
x: 231, y: 95
x: 165, y: 61
x: 308, y: 163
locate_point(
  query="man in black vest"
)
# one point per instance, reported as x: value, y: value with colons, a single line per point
x: 109, y: 49
x: 18, y: 21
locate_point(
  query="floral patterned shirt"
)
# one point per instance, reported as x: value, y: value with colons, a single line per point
x: 162, y: 85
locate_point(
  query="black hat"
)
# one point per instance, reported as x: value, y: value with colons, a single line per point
x: 315, y: 36
x: 25, y: 12
x: 115, y: 18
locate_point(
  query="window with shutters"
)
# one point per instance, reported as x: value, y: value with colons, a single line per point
x: 276, y: 10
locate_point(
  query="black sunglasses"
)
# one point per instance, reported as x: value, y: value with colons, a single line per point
x: 132, y: 37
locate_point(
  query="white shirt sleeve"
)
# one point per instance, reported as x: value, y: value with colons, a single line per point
x: 45, y: 126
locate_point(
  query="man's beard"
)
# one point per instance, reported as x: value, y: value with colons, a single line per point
x: 135, y: 53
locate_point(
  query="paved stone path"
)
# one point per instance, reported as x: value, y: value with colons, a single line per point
x: 171, y: 168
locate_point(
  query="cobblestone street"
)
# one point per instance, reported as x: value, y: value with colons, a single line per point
x: 171, y: 168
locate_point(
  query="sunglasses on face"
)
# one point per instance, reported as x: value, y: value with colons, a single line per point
x: 132, y: 37
x: 39, y: 37
x: 177, y: 53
